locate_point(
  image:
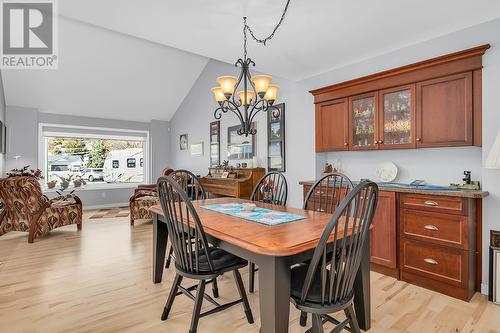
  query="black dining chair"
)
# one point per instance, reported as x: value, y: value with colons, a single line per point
x: 272, y: 189
x: 195, y: 191
x: 194, y: 258
x: 193, y: 188
x: 327, y: 192
x: 190, y: 184
x: 324, y: 196
x: 324, y: 285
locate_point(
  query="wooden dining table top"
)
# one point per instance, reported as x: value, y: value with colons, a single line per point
x: 280, y: 240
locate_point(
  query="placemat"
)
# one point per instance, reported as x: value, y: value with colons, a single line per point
x: 260, y: 215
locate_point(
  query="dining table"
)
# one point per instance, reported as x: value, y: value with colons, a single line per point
x: 274, y: 249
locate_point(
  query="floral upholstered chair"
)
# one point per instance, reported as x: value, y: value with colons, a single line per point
x: 25, y: 208
x: 144, y: 197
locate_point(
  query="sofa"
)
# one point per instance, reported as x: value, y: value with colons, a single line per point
x: 25, y: 208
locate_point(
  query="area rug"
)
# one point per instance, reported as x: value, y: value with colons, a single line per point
x: 110, y: 213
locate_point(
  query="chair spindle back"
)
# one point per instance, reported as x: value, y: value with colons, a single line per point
x: 190, y: 184
x: 185, y: 230
x: 272, y: 189
x: 339, y: 251
x: 327, y: 193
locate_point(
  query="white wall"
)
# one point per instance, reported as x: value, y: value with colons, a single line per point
x: 437, y: 166
x: 2, y: 119
x: 23, y: 140
x: 159, y: 136
x: 197, y: 111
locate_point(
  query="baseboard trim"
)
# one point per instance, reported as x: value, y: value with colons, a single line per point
x: 113, y: 205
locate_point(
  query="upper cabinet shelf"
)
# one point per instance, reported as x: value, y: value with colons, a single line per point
x: 434, y: 103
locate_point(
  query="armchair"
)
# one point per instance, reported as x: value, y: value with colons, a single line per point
x: 25, y: 208
x: 144, y: 197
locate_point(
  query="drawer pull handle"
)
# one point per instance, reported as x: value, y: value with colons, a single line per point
x: 430, y: 261
x: 431, y: 227
x: 431, y: 203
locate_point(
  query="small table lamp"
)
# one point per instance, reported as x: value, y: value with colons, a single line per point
x: 493, y: 159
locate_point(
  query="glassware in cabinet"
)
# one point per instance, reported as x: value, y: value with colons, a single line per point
x: 363, y: 117
x: 397, y: 117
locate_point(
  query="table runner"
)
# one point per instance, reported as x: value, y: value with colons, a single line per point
x: 260, y: 215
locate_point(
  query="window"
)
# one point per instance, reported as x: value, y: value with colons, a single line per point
x: 99, y: 159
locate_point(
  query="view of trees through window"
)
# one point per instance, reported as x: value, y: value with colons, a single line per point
x: 94, y: 160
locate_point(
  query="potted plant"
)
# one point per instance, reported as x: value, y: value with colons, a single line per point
x: 26, y: 172
x: 65, y: 181
x: 51, y: 184
x: 79, y: 181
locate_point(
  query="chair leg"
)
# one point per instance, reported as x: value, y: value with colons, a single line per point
x: 197, y: 306
x: 131, y: 221
x: 251, y: 277
x: 243, y: 295
x: 169, y: 256
x: 79, y: 226
x: 303, y: 318
x: 171, y: 296
x: 353, y: 320
x: 215, y: 288
x: 317, y: 324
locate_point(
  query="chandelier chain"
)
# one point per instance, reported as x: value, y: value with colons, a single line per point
x: 246, y: 28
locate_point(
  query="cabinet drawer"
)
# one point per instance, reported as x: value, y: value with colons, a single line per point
x: 438, y: 228
x: 435, y: 262
x: 434, y: 203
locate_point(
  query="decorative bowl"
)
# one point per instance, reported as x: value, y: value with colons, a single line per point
x: 249, y: 207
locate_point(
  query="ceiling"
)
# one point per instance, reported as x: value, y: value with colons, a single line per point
x: 317, y: 35
x: 104, y: 74
x: 137, y: 60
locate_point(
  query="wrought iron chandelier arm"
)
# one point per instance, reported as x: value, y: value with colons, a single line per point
x: 256, y: 108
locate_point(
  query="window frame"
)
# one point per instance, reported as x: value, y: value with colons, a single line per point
x: 66, y: 131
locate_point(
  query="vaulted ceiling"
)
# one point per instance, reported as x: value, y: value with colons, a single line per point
x: 138, y: 59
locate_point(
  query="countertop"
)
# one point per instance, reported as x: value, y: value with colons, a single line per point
x: 400, y: 188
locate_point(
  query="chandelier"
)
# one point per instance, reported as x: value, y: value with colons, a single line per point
x: 257, y: 92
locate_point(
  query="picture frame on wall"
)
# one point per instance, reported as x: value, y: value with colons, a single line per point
x: 183, y: 142
x: 196, y: 149
x: 215, y: 143
x: 276, y: 140
x: 240, y: 147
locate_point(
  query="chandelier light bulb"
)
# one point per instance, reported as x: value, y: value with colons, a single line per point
x: 271, y: 93
x: 218, y: 94
x: 227, y: 84
x: 241, y: 95
x: 261, y: 83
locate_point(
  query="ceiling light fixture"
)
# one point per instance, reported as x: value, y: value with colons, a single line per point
x: 257, y: 94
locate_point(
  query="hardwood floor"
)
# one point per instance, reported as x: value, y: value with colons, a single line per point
x: 99, y: 280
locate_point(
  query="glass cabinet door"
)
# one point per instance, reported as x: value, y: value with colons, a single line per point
x: 397, y: 117
x: 363, y: 122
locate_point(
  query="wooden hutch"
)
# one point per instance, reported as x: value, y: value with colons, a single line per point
x: 428, y: 238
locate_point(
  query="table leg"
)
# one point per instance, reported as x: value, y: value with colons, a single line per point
x: 362, y: 298
x: 274, y: 294
x: 160, y: 235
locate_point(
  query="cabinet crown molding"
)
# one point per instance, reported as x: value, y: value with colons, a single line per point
x: 466, y: 60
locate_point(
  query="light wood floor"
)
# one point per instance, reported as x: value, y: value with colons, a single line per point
x: 99, y: 280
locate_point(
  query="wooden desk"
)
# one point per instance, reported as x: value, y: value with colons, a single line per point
x: 274, y: 249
